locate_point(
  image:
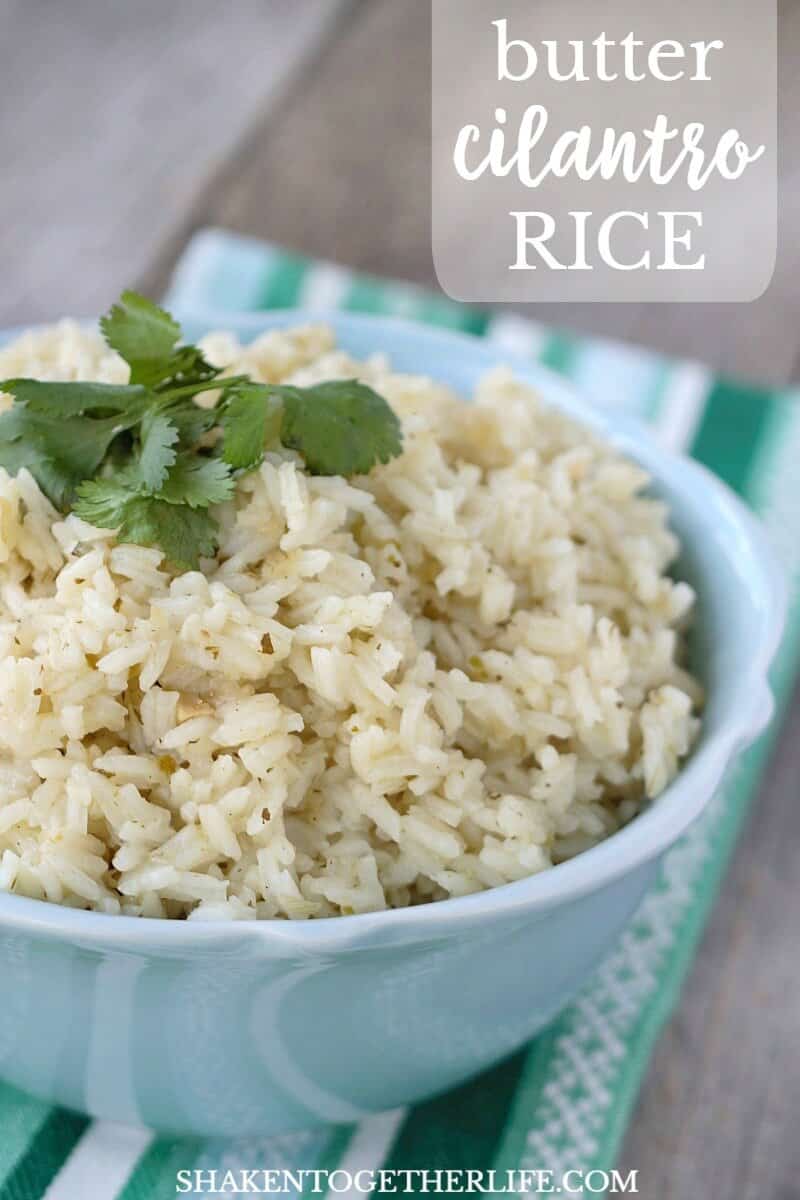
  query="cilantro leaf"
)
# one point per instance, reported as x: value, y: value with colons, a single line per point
x: 80, y: 444
x: 148, y: 461
x: 143, y: 334
x: 157, y: 455
x: 53, y: 479
x: 72, y: 448
x: 191, y: 421
x: 251, y: 418
x: 198, y: 482
x: 340, y: 428
x: 101, y: 502
x: 65, y: 430
x: 183, y: 534
x: 189, y: 365
x: 147, y: 337
x: 74, y: 399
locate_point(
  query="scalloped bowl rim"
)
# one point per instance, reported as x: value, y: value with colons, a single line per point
x: 650, y: 833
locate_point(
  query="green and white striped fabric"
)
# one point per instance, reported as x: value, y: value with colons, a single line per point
x: 564, y: 1101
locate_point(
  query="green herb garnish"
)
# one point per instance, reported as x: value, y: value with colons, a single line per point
x: 141, y: 457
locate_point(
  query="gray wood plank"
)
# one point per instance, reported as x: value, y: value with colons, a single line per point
x: 341, y: 169
x: 114, y: 116
x: 718, y: 1113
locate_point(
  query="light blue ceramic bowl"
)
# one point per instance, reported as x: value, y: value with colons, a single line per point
x: 263, y: 1027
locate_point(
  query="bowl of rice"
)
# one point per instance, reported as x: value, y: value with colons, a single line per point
x: 350, y: 810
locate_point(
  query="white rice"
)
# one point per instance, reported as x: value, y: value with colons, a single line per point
x: 446, y: 675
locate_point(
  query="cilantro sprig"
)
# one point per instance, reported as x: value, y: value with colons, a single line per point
x: 145, y: 459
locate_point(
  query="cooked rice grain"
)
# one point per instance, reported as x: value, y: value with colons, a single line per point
x: 441, y: 677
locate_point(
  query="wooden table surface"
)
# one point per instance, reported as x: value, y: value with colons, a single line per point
x: 126, y: 127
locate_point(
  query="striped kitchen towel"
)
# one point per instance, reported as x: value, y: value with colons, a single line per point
x: 564, y: 1101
